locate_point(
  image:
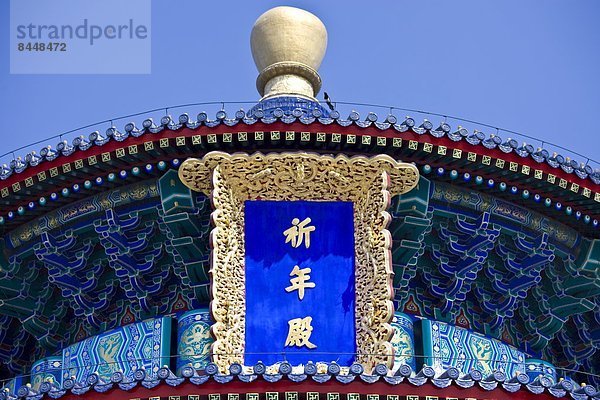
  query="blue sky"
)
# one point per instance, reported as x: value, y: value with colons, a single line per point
x: 530, y: 66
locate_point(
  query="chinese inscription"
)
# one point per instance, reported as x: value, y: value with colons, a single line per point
x: 300, y: 329
x: 299, y: 232
x: 299, y: 300
x: 300, y: 282
x: 299, y: 333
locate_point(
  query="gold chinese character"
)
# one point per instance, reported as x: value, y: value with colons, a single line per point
x: 300, y: 282
x: 299, y: 333
x: 299, y: 232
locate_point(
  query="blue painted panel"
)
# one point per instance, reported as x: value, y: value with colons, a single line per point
x: 127, y: 349
x: 46, y: 370
x: 269, y: 263
x: 194, y: 339
x: 536, y: 368
x: 403, y: 341
x: 14, y: 384
x: 450, y: 346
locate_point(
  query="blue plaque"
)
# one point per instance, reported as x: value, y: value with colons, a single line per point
x: 300, y: 293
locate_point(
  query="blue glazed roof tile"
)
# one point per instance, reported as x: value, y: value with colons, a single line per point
x: 394, y: 380
x: 445, y: 379
x: 493, y: 141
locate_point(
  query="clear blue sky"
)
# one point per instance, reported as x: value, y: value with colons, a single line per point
x: 525, y: 65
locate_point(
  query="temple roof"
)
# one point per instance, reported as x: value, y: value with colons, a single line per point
x: 108, y: 191
x: 559, y: 187
x: 498, y: 236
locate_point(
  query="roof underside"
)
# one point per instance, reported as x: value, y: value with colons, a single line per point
x: 464, y: 252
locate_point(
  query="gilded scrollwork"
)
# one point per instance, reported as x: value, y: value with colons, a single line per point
x: 231, y: 179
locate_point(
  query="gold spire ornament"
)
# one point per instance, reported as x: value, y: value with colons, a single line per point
x: 288, y: 45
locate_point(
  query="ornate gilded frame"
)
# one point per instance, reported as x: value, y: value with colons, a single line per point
x: 230, y: 179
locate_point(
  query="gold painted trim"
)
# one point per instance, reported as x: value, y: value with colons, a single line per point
x: 587, y: 192
x: 369, y: 183
x: 574, y: 187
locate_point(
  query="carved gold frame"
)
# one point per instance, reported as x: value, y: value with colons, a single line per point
x: 230, y: 179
